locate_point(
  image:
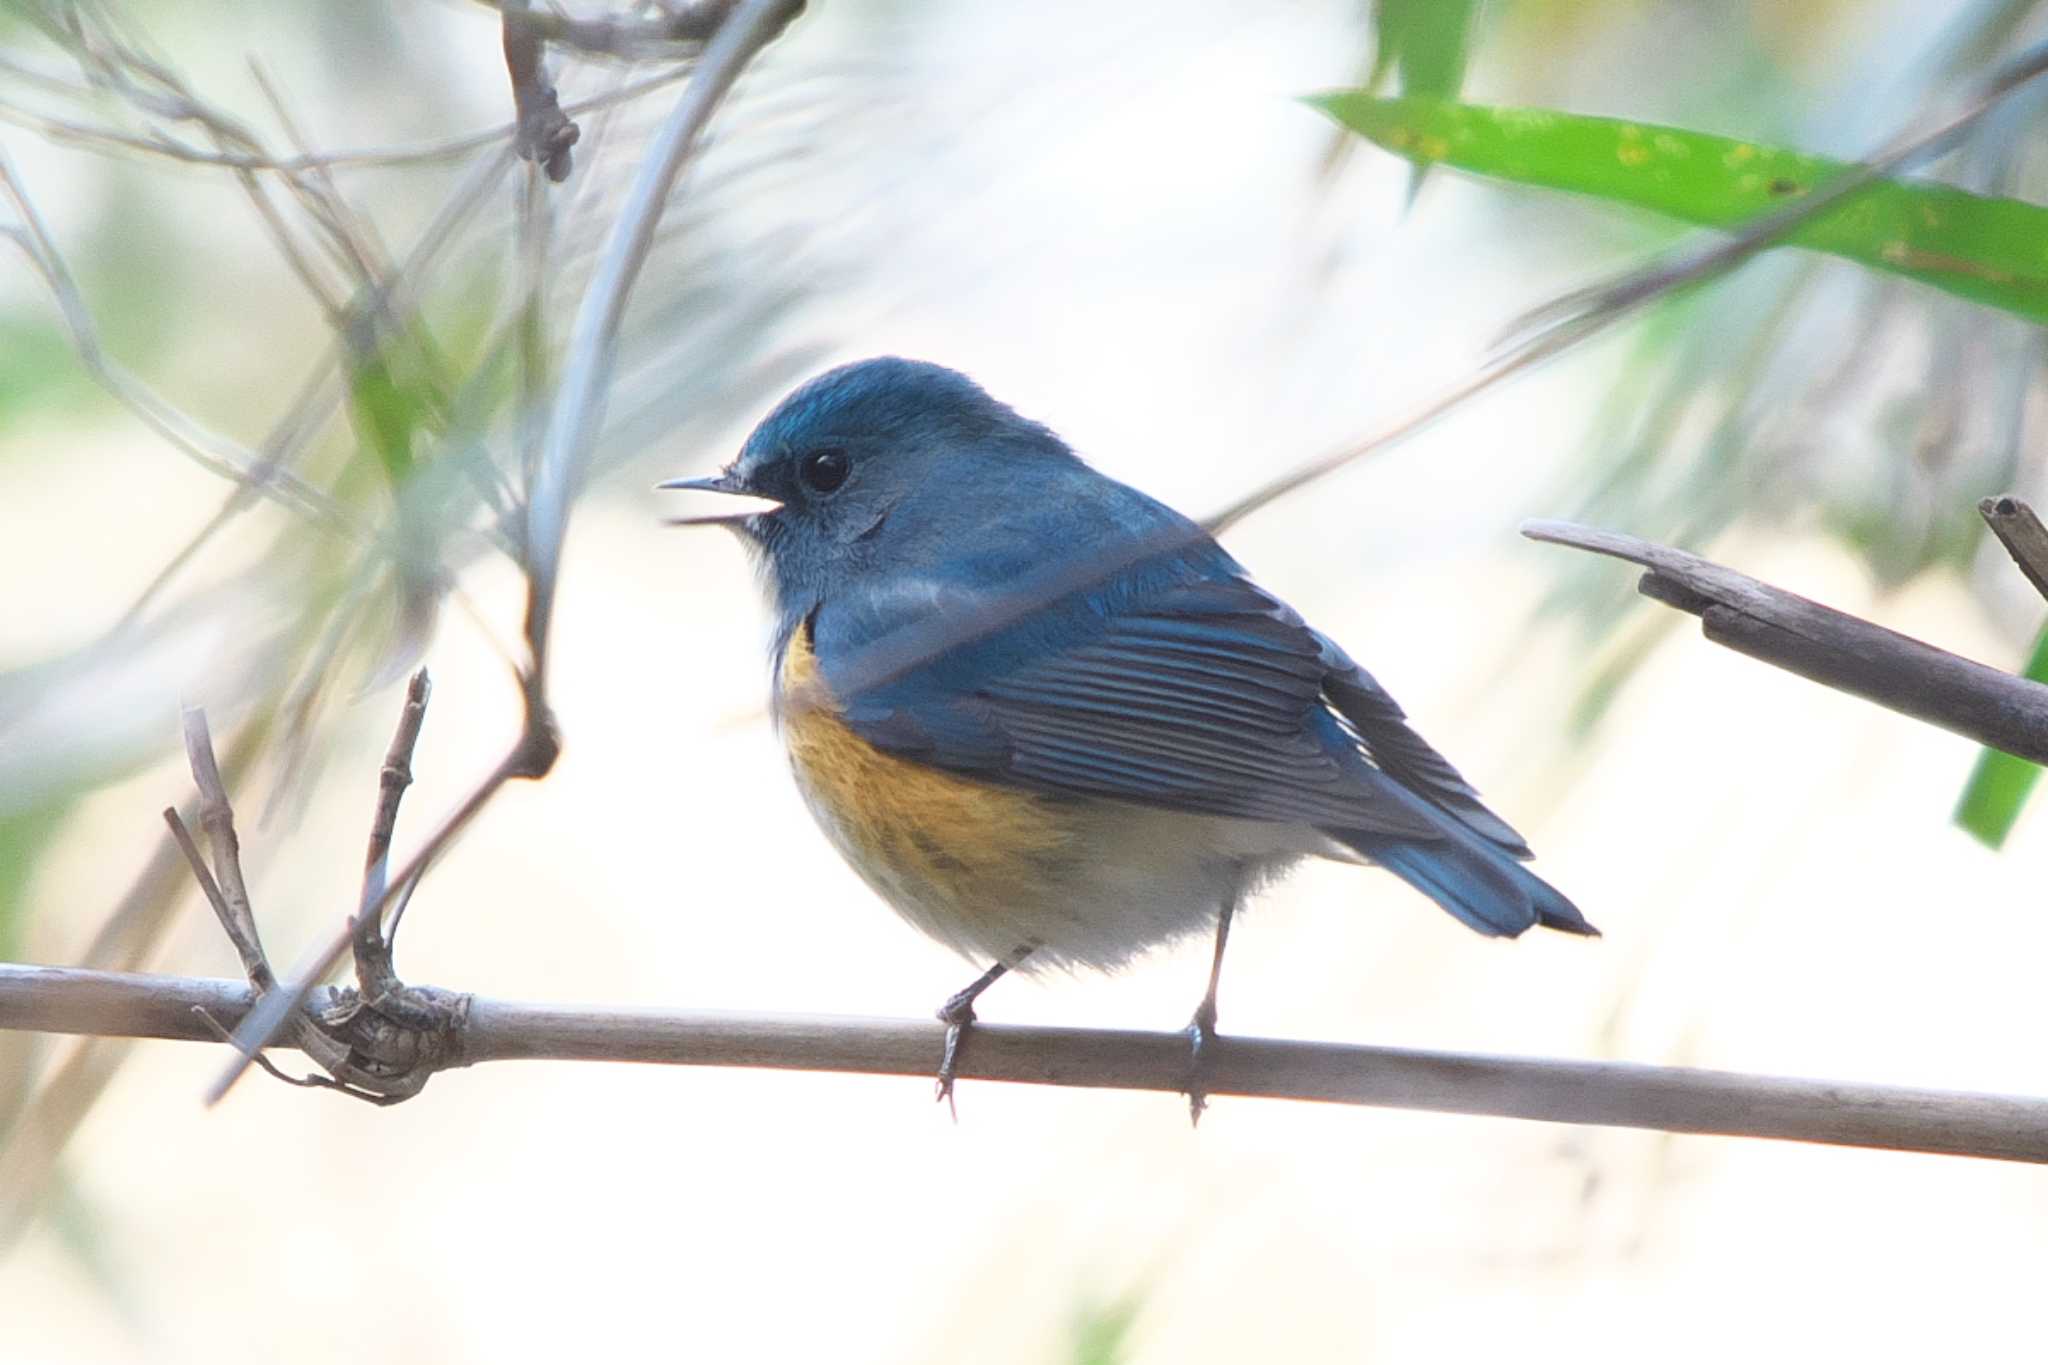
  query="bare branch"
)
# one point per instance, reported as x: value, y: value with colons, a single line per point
x: 215, y: 453
x: 254, y: 964
x: 1828, y: 646
x: 374, y: 971
x: 276, y: 1009
x: 544, y: 134
x: 103, y: 139
x: 230, y: 896
x: 681, y: 25
x: 586, y: 372
x: 124, y: 942
x: 2022, y: 534
x: 1616, y: 1094
x: 578, y: 413
x: 1485, y: 377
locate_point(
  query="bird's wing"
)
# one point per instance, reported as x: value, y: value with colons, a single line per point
x: 1198, y: 693
x: 1382, y: 727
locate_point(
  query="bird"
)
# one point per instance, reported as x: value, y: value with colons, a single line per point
x: 1050, y: 720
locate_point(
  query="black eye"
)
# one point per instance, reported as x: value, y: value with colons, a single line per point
x: 824, y: 470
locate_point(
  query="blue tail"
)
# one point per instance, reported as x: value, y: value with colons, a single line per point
x: 1480, y: 883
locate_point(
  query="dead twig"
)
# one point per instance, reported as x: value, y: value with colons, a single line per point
x: 542, y: 134
x: 379, y: 1043
x: 678, y: 26
x: 213, y: 452
x: 572, y: 429
x: 587, y: 369
x: 116, y: 140
x: 1830, y: 647
x: 375, y: 973
x: 2022, y: 535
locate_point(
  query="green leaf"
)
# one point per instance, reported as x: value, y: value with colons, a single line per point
x: 42, y: 371
x: 1991, y: 250
x: 1101, y: 1332
x: 2000, y: 783
x: 24, y: 835
x: 1423, y: 43
x: 398, y: 398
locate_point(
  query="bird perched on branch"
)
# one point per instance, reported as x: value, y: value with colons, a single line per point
x: 1049, y: 719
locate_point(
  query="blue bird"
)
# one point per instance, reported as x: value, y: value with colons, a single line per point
x: 1050, y: 720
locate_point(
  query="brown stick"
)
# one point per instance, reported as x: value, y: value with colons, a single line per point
x: 1828, y: 646
x: 1616, y: 1094
x: 2022, y: 534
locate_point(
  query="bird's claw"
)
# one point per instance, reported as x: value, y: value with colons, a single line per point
x: 958, y: 1017
x: 1201, y: 1031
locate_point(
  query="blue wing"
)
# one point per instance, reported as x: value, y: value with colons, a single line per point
x: 1180, y: 683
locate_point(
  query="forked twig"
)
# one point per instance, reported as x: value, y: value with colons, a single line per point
x: 380, y: 1043
x: 572, y: 428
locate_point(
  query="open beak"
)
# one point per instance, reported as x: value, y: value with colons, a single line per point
x: 726, y: 484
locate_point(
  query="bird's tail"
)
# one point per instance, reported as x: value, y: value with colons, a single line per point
x: 1481, y: 884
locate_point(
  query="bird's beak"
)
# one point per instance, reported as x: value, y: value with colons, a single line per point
x: 726, y: 484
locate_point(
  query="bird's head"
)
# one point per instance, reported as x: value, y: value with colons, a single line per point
x: 882, y: 465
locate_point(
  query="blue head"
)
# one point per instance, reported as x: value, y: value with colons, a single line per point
x: 887, y: 467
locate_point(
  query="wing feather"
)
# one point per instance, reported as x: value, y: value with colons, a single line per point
x: 1204, y: 695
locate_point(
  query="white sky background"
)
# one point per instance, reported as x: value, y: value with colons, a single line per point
x: 1104, y: 213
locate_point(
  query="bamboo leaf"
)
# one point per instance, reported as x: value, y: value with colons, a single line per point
x: 1423, y: 43
x: 1991, y: 250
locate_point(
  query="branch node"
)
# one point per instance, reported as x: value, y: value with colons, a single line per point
x: 542, y: 133
x: 379, y: 1043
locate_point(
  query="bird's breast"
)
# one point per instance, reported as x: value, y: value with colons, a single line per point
x: 947, y: 851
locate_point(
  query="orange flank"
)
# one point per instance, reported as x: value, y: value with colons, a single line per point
x: 928, y: 836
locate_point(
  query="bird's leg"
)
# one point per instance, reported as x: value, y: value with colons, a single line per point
x: 1202, y: 1028
x: 957, y: 1013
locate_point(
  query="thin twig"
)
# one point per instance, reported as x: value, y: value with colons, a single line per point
x: 254, y: 964
x: 1617, y: 1094
x: 683, y: 25
x: 587, y: 369
x: 124, y: 942
x: 2022, y: 535
x: 1828, y: 646
x: 227, y: 890
x: 442, y: 149
x: 578, y: 413
x: 375, y: 973
x: 1563, y: 323
x: 1692, y: 264
x: 261, y: 1025
x: 544, y: 133
x: 310, y: 1081
x: 212, y: 452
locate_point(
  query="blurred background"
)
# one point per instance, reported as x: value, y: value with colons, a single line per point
x: 1123, y: 221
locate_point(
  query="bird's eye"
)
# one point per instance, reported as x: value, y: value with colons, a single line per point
x: 824, y: 470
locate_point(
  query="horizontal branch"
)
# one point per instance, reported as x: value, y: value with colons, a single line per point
x: 1830, y: 647
x: 1618, y: 1094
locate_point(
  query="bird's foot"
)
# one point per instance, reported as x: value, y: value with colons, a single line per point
x: 957, y: 1014
x: 1201, y: 1031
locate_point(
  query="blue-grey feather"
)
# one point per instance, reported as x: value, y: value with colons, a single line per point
x: 954, y: 628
